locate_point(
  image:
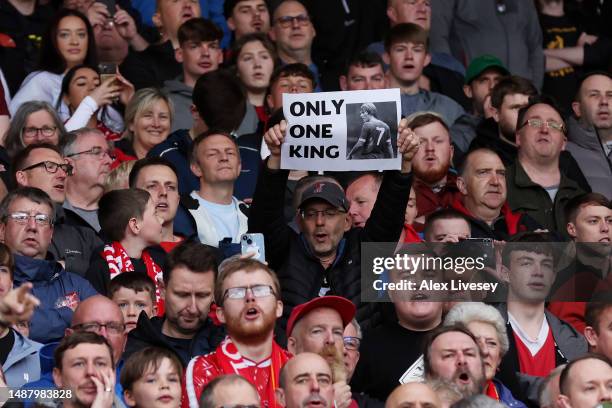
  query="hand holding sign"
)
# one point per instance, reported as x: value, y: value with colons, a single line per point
x: 274, y: 138
x: 408, y: 144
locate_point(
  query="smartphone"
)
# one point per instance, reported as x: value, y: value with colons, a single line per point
x: 253, y: 243
x: 110, y: 5
x: 107, y: 70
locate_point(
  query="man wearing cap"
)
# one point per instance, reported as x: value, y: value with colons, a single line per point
x: 324, y: 257
x: 318, y: 326
x: 481, y: 76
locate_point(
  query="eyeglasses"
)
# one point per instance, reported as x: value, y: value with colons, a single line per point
x: 22, y: 218
x: 96, y: 151
x: 287, y: 21
x: 51, y: 167
x: 112, y: 328
x: 46, y: 131
x: 352, y: 343
x: 539, y: 124
x: 258, y: 291
x: 328, y: 213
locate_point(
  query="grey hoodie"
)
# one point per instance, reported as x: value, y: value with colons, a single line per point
x: 584, y: 144
x: 181, y: 96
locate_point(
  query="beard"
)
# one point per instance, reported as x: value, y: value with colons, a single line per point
x: 254, y: 332
x: 475, y: 387
x: 431, y: 175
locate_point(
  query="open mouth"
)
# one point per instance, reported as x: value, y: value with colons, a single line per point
x: 464, y: 378
x: 320, y: 237
x: 408, y: 66
x: 252, y: 313
x: 59, y: 187
x: 162, y: 206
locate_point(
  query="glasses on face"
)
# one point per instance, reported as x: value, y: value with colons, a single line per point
x: 539, y: 124
x: 287, y: 21
x: 352, y: 343
x: 22, y: 218
x: 51, y: 167
x: 258, y: 291
x: 96, y: 151
x: 112, y: 328
x: 31, y: 132
x: 328, y: 213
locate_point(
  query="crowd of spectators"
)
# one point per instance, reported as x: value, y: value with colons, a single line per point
x: 140, y: 140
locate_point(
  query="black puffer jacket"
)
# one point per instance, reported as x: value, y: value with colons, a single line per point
x: 300, y: 273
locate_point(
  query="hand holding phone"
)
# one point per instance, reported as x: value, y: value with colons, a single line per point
x: 253, y: 243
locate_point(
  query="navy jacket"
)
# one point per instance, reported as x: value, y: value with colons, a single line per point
x: 58, y: 291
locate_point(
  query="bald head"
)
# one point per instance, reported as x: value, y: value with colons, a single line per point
x: 103, y: 312
x: 414, y: 394
x: 305, y: 379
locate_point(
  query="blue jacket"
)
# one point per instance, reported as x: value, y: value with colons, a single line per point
x: 505, y: 396
x: 22, y: 364
x: 57, y: 291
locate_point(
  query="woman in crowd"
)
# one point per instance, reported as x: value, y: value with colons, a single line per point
x: 254, y: 57
x: 34, y: 122
x: 489, y: 328
x: 68, y: 41
x: 87, y: 98
x: 148, y: 119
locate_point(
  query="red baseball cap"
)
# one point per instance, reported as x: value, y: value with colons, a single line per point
x: 343, y: 306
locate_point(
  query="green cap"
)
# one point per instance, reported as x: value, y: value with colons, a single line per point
x: 481, y: 64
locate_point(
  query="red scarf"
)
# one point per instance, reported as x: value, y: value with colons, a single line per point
x: 264, y: 376
x: 491, y: 391
x: 119, y: 261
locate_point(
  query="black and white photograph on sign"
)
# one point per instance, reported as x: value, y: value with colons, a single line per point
x: 342, y: 131
x: 371, y: 130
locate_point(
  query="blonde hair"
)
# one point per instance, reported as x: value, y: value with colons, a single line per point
x: 142, y: 100
x: 118, y: 178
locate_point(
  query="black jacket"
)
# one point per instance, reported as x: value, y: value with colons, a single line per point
x: 300, y: 273
x: 151, y: 67
x: 73, y: 244
x: 148, y: 332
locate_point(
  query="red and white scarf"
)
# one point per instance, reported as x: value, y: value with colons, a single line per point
x: 227, y: 359
x: 119, y: 261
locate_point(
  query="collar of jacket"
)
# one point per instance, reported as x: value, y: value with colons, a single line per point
x: 190, y: 203
x: 310, y: 252
x: 59, y: 215
x: 510, y: 218
x: 521, y: 179
x: 582, y: 136
x: 28, y: 269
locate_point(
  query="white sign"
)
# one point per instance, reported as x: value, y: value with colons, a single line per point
x: 342, y: 131
x: 416, y: 372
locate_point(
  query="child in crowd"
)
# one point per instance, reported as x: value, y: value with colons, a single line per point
x: 152, y: 375
x: 130, y: 224
x: 133, y: 293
